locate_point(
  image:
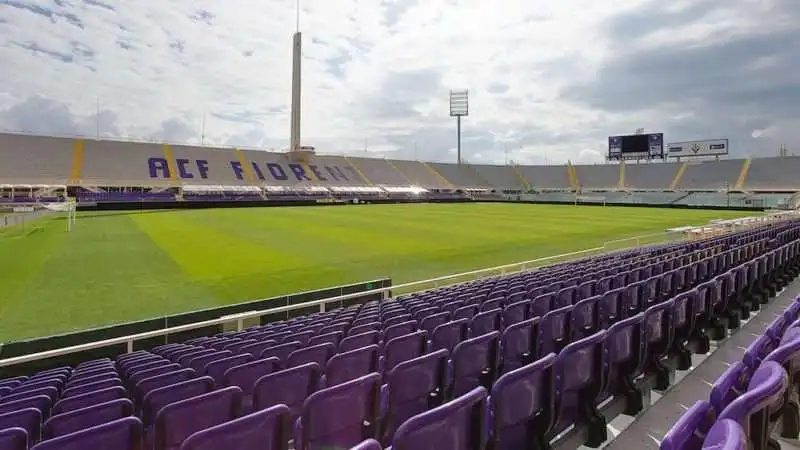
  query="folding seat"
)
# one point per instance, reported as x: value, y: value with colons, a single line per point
x: 13, y: 382
x: 659, y: 321
x: 753, y: 410
x: 93, y: 372
x: 121, y: 434
x: 421, y: 314
x: 369, y: 322
x: 28, y: 419
x: 396, y: 319
x: 281, y: 351
x: 449, y: 334
x: 79, y: 419
x: 726, y: 435
x: 683, y: 324
x: 332, y: 338
x: 139, y: 376
x: 41, y: 402
x: 360, y: 340
x: 140, y: 366
x: 603, y: 285
x: 186, y: 357
x: 432, y: 321
x: 465, y: 312
x: 625, y: 355
x: 158, y: 398
x: 319, y: 354
x: 541, y: 305
x: 518, y: 345
x: 244, y: 377
x: 492, y: 304
x: 565, y: 297
x: 404, y: 347
x: 586, y: 317
x: 474, y: 363
x: 13, y: 439
x: 353, y: 364
x: 322, y: 424
x: 91, y: 387
x: 368, y: 444
x: 177, y: 421
x: 521, y: 415
x: 413, y: 386
x: 290, y: 387
x: 57, y: 371
x: 235, y: 347
x: 516, y: 312
x: 158, y: 381
x: 579, y: 374
x: 486, y: 322
x: 554, y: 330
x: 457, y: 424
x: 731, y: 384
x: 280, y: 337
x: 30, y: 390
x: 315, y: 327
x: 199, y: 363
x: 268, y: 429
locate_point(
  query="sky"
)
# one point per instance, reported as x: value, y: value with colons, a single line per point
x: 548, y: 81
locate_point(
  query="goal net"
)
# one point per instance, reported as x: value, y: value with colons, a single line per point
x: 27, y: 214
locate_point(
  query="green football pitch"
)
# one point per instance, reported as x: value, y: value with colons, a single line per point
x: 118, y: 267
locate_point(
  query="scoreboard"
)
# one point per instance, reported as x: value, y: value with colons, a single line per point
x: 636, y: 146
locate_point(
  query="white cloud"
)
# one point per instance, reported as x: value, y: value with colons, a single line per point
x: 374, y: 70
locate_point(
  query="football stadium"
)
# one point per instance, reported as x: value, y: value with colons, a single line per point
x: 167, y: 296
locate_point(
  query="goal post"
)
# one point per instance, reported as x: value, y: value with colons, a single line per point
x: 590, y: 199
x: 24, y: 214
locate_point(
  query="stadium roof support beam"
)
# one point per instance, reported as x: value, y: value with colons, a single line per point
x: 439, y: 176
x: 742, y: 179
x: 524, y: 183
x: 678, y: 175
x: 408, y: 180
x: 358, y: 171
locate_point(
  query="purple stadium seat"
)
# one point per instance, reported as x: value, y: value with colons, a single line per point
x: 521, y: 412
x: 121, y: 434
x: 40, y: 402
x: 319, y: 354
x: 448, y: 335
x: 13, y: 382
x: 456, y: 425
x: 139, y: 376
x: 216, y: 369
x: 199, y: 363
x: 413, y: 387
x: 753, y: 409
x: 29, y: 419
x: 158, y: 398
x: 165, y: 379
x: 333, y: 338
x: 13, y: 439
x: 554, y: 330
x: 368, y: 444
x: 322, y: 424
x: 485, y: 322
x: 518, y: 345
x: 281, y: 352
x: 360, y: 340
x: 49, y: 392
x: 289, y: 387
x: 268, y: 429
x: 726, y: 435
x: 346, y: 366
x: 79, y: 419
x: 244, y: 376
x: 403, y: 348
x: 578, y: 370
x: 731, y: 384
x: 516, y: 312
x: 178, y: 420
x: 399, y: 329
x: 474, y: 363
x: 625, y: 359
x: 91, y: 387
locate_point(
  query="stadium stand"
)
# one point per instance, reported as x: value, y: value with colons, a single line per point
x: 711, y: 175
x: 503, y: 177
x: 420, y: 174
x: 539, y: 359
x: 546, y: 177
x: 379, y: 171
x: 650, y: 176
x: 773, y: 173
x: 463, y: 175
x: 599, y: 177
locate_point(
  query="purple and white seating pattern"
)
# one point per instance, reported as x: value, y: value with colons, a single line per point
x: 503, y: 363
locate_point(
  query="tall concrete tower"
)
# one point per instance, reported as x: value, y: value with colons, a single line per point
x: 297, y: 54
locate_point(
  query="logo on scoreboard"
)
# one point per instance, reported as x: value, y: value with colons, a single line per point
x: 708, y: 147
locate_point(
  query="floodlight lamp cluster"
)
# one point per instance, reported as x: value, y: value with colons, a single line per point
x: 459, y: 103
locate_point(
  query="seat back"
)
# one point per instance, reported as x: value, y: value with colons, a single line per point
x: 28, y: 419
x: 691, y: 428
x: 414, y: 387
x: 88, y: 417
x: 448, y: 335
x: 290, y: 387
x: 158, y: 398
x: 178, y: 420
x: 216, y: 369
x: 268, y: 429
x: 726, y: 435
x: 353, y: 364
x: 13, y: 438
x: 475, y: 363
x: 518, y: 345
x: 457, y: 424
x: 403, y: 348
x: 121, y: 434
x: 322, y: 423
x: 319, y: 354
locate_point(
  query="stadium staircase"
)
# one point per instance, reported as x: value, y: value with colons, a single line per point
x: 574, y: 182
x: 249, y: 176
x: 621, y: 183
x: 520, y: 177
x: 439, y: 176
x: 358, y: 171
x: 681, y: 198
x: 677, y: 180
x: 77, y: 162
x: 408, y: 180
x: 740, y: 181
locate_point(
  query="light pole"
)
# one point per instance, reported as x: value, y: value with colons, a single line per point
x: 459, y: 107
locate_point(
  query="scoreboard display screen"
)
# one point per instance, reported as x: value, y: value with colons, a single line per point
x: 636, y: 146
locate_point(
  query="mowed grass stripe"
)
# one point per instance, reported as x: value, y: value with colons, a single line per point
x: 121, y: 267
x: 105, y: 271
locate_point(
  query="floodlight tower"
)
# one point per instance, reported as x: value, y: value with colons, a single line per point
x: 459, y: 107
x: 297, y: 54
